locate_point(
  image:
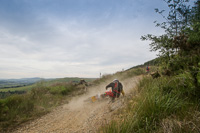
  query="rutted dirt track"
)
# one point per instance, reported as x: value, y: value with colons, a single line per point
x: 79, y: 116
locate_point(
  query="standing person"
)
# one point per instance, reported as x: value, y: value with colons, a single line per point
x: 117, y: 89
x: 147, y: 69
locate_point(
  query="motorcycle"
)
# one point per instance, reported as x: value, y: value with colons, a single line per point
x: 100, y: 97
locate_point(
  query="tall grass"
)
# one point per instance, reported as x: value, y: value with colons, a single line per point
x: 14, y: 109
x: 40, y: 100
x: 135, y: 72
x: 123, y: 74
x: 155, y: 103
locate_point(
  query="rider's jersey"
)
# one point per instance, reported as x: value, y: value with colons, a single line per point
x: 117, y: 88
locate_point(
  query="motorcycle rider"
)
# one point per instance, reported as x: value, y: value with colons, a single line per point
x: 117, y: 89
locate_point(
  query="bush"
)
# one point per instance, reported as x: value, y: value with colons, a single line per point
x: 198, y: 76
x: 14, y: 109
x: 62, y: 89
x: 40, y: 100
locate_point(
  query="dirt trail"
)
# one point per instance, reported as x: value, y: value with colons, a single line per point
x: 79, y: 116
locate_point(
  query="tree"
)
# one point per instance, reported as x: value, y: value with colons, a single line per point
x: 178, y: 17
x: 194, y: 31
x: 176, y: 21
x: 196, y: 12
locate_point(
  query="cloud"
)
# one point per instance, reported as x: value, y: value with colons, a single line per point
x: 70, y: 38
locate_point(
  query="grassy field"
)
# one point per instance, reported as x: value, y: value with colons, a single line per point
x: 24, y: 88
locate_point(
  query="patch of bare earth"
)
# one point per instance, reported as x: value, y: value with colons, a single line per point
x: 78, y: 115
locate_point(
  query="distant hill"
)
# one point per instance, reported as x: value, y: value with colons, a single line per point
x: 13, y: 83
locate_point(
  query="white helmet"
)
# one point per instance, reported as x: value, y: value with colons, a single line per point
x: 115, y: 80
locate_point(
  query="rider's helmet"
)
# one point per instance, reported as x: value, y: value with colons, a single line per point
x: 115, y: 80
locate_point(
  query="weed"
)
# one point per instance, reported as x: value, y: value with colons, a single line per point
x: 158, y: 99
x: 40, y: 100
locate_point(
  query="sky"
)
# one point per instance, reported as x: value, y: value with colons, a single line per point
x: 74, y: 38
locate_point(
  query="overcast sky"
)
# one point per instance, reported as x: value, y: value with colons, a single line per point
x: 74, y: 38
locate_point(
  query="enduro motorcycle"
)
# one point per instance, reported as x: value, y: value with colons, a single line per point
x: 100, y: 97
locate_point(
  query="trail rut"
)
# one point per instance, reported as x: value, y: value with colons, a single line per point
x: 78, y: 116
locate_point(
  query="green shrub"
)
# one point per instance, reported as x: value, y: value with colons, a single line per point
x: 66, y: 90
x: 14, y: 109
x: 198, y: 75
x: 62, y: 89
x: 183, y: 85
x: 198, y: 78
x: 54, y: 90
x: 40, y: 100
